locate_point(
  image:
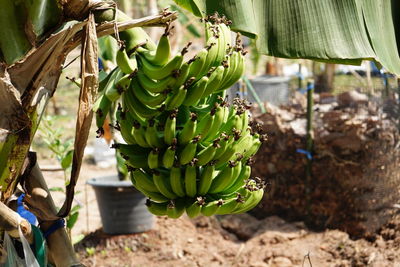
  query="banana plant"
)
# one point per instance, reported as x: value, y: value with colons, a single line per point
x: 343, y: 32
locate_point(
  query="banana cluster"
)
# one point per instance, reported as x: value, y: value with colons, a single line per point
x: 186, y: 147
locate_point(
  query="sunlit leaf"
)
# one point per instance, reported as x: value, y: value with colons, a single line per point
x: 341, y: 31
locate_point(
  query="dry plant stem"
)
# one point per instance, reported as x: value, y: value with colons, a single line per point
x: 61, y: 251
x: 9, y: 222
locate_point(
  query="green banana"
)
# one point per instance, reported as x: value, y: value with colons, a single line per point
x: 217, y: 123
x: 125, y: 126
x: 177, y: 182
x: 212, y: 207
x: 143, y: 180
x: 131, y: 113
x: 175, y: 99
x: 161, y: 55
x: 190, y: 179
x: 223, y: 179
x: 134, y: 105
x: 170, y: 128
x: 189, y: 151
x: 169, y: 155
x: 152, y: 135
x: 139, y: 133
x: 134, y: 155
x: 111, y: 90
x: 101, y: 108
x: 163, y: 185
x: 153, y: 86
x: 188, y: 131
x: 206, y: 177
x: 252, y: 200
x: 175, y: 208
x: 223, y: 145
x: 197, y: 62
x: 181, y: 75
x: 126, y: 64
x: 240, y: 181
x: 195, y: 91
x: 158, y: 209
x: 230, y: 205
x: 204, y: 125
x: 193, y: 209
x: 160, y: 72
x: 145, y: 96
x: 214, y: 81
x: 237, y: 74
x: 254, y: 147
x: 153, y: 158
x: 208, y: 153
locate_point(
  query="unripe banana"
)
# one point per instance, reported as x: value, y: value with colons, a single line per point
x: 230, y: 205
x: 251, y: 201
x: 152, y: 135
x: 101, y: 108
x: 193, y: 210
x: 153, y: 86
x: 214, y: 81
x: 150, y: 99
x: 197, y: 63
x: 240, y: 181
x: 162, y: 53
x: 223, y: 145
x: 189, y: 151
x: 208, y: 153
x: 195, y: 91
x: 153, y: 158
x: 158, y: 209
x: 158, y: 73
x: 163, y: 185
x: 188, y: 130
x: 135, y: 105
x: 143, y: 180
x: 177, y: 181
x: 175, y: 99
x: 190, y: 179
x: 169, y: 155
x: 134, y: 155
x: 212, y: 207
x: 170, y: 128
x: 125, y: 126
x: 126, y: 64
x: 175, y: 208
x: 111, y: 90
x: 204, y: 125
x: 223, y: 179
x: 218, y: 121
x: 206, y: 177
x: 139, y: 134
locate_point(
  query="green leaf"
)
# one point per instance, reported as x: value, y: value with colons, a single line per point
x: 77, y: 238
x: 345, y: 31
x: 66, y: 161
x: 56, y: 189
x: 71, y: 220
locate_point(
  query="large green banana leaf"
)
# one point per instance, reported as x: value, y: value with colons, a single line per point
x: 339, y: 31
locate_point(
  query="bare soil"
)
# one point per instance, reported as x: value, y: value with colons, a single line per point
x: 240, y: 240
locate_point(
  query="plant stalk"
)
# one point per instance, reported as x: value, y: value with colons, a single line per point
x: 309, y: 142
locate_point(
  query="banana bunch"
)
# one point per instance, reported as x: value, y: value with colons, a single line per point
x: 186, y: 148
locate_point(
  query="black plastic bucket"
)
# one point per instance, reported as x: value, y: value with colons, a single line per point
x: 122, y: 207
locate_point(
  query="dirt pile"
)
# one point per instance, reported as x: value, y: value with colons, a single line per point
x: 215, y: 241
x: 356, y: 164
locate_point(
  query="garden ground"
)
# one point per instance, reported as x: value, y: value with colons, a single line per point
x: 239, y: 240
